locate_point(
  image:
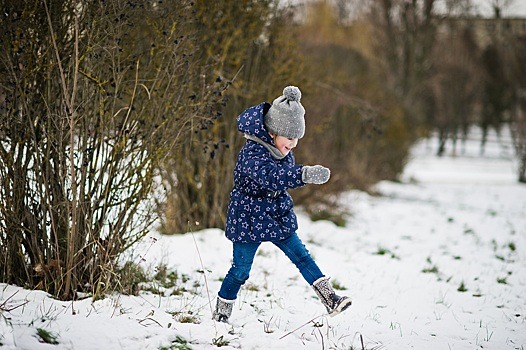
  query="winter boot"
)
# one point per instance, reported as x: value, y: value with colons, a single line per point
x: 333, y: 302
x: 223, y: 310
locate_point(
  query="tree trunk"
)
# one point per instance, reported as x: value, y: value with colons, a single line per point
x: 522, y: 169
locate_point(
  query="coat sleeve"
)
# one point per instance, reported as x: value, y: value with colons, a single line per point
x: 269, y: 173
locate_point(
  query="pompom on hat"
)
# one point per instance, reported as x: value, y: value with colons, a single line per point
x: 286, y: 116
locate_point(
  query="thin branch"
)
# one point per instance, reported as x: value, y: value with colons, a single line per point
x: 59, y: 61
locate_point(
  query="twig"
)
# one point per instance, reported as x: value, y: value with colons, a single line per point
x: 5, y: 301
x: 303, y: 325
x: 3, y: 306
x: 322, y: 340
x: 149, y: 319
x: 141, y: 258
x: 59, y: 61
x: 361, y: 340
x: 204, y: 273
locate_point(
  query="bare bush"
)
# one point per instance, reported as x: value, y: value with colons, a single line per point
x: 255, y: 44
x: 93, y: 96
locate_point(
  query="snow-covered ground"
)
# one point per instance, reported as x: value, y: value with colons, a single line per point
x: 437, y: 261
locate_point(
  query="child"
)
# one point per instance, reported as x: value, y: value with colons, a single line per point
x: 260, y: 207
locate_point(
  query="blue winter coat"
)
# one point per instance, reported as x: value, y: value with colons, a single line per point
x: 260, y: 207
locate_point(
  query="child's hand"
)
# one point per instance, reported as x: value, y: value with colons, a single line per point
x: 315, y: 174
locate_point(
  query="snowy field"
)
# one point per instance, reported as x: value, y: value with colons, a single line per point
x: 436, y: 261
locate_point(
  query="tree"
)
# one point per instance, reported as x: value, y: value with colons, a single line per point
x: 497, y: 92
x: 405, y: 35
x: 454, y: 84
x: 517, y: 73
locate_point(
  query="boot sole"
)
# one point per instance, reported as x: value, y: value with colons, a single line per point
x: 340, y: 308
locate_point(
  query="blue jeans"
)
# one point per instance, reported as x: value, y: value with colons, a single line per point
x: 243, y: 258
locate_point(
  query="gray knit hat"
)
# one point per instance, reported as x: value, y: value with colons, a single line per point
x: 286, y: 116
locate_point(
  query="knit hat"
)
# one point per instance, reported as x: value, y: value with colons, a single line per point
x: 286, y: 116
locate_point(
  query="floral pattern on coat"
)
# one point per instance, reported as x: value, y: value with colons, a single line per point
x: 260, y: 207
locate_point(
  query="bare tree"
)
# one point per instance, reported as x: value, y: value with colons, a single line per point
x: 455, y: 84
x: 499, y: 5
x: 518, y: 131
x: 517, y: 73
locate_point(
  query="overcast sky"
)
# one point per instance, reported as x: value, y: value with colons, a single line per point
x: 515, y: 7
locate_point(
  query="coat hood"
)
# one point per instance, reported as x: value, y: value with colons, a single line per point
x: 251, y: 122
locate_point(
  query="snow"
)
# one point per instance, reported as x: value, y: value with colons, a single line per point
x: 403, y: 256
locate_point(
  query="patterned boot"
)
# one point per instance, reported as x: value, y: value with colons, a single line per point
x: 223, y: 310
x: 333, y: 302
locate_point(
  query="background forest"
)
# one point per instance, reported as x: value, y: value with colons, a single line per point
x: 118, y: 116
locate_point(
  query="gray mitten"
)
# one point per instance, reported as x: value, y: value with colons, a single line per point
x: 315, y: 174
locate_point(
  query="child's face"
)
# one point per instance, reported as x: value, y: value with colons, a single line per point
x: 284, y: 144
